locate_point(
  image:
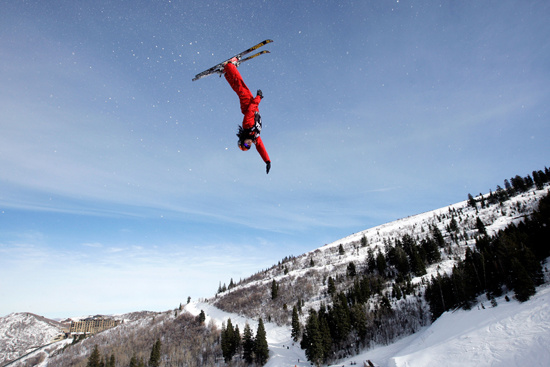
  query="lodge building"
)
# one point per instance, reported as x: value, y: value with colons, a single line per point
x: 93, y: 325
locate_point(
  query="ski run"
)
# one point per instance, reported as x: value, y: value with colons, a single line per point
x: 511, y: 334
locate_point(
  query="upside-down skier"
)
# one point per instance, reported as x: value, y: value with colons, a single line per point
x: 249, y: 132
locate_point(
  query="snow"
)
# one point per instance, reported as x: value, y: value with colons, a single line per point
x: 282, y: 350
x: 510, y: 334
x: 23, y: 332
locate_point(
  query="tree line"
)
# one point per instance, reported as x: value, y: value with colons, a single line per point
x: 516, y: 185
x: 250, y: 349
x: 511, y: 259
x: 96, y: 360
x: 361, y: 311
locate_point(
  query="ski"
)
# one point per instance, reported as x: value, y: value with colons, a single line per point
x: 253, y: 56
x: 219, y: 67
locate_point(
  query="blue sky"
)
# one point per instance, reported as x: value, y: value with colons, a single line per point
x: 121, y: 186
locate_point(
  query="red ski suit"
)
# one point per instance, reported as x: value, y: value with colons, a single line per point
x: 249, y: 106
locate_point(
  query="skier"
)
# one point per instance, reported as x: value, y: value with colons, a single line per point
x: 249, y: 132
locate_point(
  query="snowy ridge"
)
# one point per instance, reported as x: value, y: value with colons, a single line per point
x: 20, y: 333
x: 501, y: 336
x: 511, y: 334
x: 327, y: 260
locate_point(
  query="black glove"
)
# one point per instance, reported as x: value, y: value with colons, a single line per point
x: 259, y: 93
x: 267, y: 167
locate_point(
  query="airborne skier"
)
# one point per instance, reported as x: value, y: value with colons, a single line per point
x: 249, y: 132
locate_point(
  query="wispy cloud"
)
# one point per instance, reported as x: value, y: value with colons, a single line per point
x: 152, y: 278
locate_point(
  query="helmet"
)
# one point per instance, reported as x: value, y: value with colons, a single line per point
x: 243, y: 146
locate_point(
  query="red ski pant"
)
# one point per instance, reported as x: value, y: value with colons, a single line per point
x: 236, y: 82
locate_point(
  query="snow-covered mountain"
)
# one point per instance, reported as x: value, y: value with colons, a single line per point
x: 510, y: 334
x: 304, y: 277
x: 21, y: 333
x: 500, y: 332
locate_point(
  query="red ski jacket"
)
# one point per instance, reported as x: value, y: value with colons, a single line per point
x: 249, y: 106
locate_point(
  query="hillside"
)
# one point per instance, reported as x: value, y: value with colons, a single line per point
x: 510, y: 334
x: 20, y: 333
x: 359, y: 284
x: 305, y: 277
x: 368, y: 294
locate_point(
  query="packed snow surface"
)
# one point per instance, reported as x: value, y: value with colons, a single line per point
x: 510, y: 334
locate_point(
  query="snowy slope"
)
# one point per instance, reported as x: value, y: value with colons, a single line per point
x: 502, y: 336
x: 283, y: 352
x: 306, y: 280
x: 22, y: 332
x: 511, y: 334
x: 507, y: 335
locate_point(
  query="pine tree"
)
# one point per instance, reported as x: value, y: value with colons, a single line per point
x: 518, y: 183
x: 480, y: 226
x: 295, y: 324
x: 326, y: 339
x: 359, y: 320
x: 261, y: 349
x: 396, y: 291
x: 340, y: 324
x: 95, y: 358
x: 453, y: 225
x: 154, y: 359
x: 237, y: 341
x: 381, y: 263
x: 399, y: 259
x: 438, y: 237
x: 471, y: 201
x: 508, y: 187
x: 331, y: 286
x: 538, y: 177
x: 341, y: 250
x: 522, y: 282
x: 351, y: 271
x: 228, y: 342
x: 417, y: 265
x: 134, y: 361
x: 201, y: 317
x: 274, y: 289
x: 112, y: 361
x: 371, y: 261
x: 312, y: 341
x: 429, y: 246
x: 248, y: 344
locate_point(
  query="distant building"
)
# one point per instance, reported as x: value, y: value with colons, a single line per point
x: 93, y: 325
